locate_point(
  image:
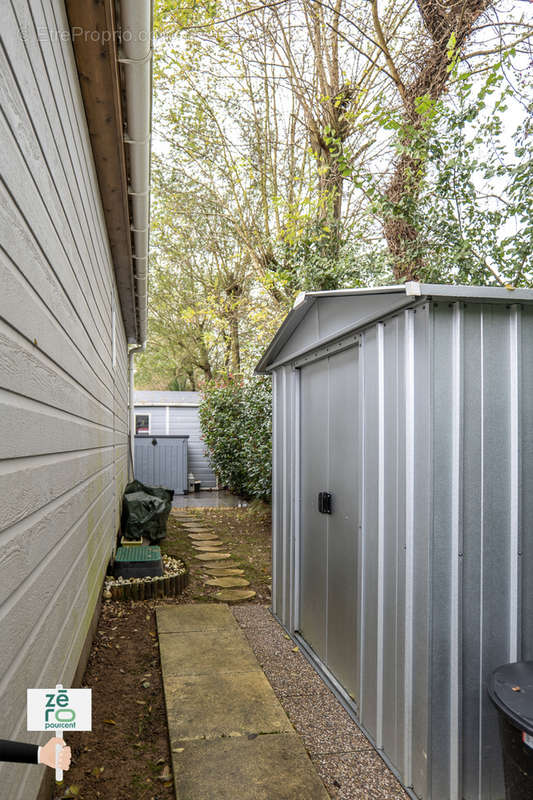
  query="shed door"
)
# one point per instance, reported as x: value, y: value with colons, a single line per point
x: 330, y: 543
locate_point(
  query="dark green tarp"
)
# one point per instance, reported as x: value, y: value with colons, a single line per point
x: 145, y: 511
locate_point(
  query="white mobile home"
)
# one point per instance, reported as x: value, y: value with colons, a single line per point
x: 74, y: 168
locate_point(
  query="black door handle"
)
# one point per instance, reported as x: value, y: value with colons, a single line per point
x: 324, y: 502
x: 154, y: 442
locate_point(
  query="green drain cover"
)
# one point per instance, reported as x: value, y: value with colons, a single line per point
x: 143, y: 553
x: 139, y: 561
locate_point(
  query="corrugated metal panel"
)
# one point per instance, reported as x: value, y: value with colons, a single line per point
x: 444, y: 588
x: 362, y: 304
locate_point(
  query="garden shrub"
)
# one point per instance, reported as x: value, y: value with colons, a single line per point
x: 236, y: 420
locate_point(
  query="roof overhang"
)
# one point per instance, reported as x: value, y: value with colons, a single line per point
x: 95, y: 43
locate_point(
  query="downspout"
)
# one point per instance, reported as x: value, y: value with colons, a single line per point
x: 131, y: 408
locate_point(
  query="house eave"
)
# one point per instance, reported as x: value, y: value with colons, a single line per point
x: 95, y: 41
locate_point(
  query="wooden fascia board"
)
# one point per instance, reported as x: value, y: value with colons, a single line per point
x: 94, y: 40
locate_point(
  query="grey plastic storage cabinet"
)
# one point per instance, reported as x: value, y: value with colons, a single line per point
x: 162, y: 461
x: 407, y: 412
x: 176, y: 414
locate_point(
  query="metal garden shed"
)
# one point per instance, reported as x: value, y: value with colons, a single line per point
x: 409, y: 409
x: 176, y: 414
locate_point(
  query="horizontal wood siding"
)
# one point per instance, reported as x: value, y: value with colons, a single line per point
x: 64, y: 451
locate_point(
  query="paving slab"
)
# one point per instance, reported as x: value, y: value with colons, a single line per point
x: 205, y: 652
x: 227, y: 704
x: 195, y: 617
x: 230, y: 737
x: 271, y: 767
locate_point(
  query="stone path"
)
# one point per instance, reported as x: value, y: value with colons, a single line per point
x: 210, y: 549
x: 229, y: 735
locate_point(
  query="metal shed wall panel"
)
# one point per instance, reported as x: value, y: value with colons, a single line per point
x: 63, y: 398
x: 446, y: 557
x: 285, y: 387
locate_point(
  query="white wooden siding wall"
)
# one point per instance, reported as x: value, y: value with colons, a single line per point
x: 63, y: 408
x: 183, y: 421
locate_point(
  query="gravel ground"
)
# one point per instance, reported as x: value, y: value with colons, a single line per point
x: 344, y: 758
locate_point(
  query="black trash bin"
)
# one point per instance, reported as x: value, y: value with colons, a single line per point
x: 511, y: 690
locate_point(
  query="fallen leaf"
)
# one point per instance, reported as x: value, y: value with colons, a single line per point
x: 165, y: 775
x: 110, y: 721
x: 72, y: 791
x: 97, y: 771
x: 295, y: 649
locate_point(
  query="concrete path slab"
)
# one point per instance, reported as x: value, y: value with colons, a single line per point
x: 195, y: 617
x: 230, y: 737
x: 206, y: 652
x: 222, y: 704
x: 271, y: 767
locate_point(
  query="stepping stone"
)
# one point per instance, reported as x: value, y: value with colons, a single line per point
x: 212, y: 556
x: 221, y: 572
x: 233, y: 595
x: 207, y: 545
x: 208, y: 548
x: 201, y: 542
x: 193, y: 525
x: 199, y: 536
x: 227, y: 583
x: 199, y: 530
x: 218, y: 565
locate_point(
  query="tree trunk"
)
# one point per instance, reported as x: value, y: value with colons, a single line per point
x: 441, y: 19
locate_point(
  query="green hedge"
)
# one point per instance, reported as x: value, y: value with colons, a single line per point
x: 236, y: 420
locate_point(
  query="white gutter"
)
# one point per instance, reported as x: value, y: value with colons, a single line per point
x: 136, y: 58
